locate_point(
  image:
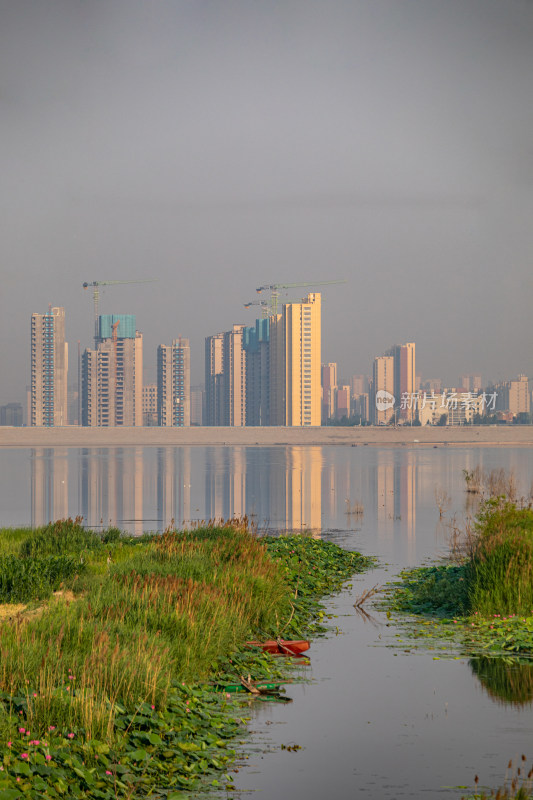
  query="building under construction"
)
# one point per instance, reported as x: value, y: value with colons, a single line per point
x: 112, y: 374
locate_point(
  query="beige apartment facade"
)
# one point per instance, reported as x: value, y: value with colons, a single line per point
x: 174, y: 384
x: 234, y: 380
x: 49, y: 369
x: 329, y: 387
x: 295, y: 361
x: 214, y: 367
x: 112, y: 379
x: 382, y: 410
x: 405, y: 384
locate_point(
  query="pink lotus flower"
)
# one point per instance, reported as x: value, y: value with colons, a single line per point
x: 35, y: 694
x: 152, y: 707
x: 70, y: 735
x: 24, y: 755
x: 48, y: 758
x: 52, y: 728
x: 22, y: 730
x: 9, y: 744
x: 107, y: 772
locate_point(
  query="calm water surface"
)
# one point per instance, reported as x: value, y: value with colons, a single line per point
x: 374, y: 721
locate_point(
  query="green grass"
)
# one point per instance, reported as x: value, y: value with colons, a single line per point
x: 494, y: 581
x: 500, y: 571
x: 108, y: 682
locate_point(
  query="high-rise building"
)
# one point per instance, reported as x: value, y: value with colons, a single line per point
x: 513, y: 396
x: 382, y: 409
x: 150, y: 404
x: 174, y: 384
x: 49, y: 369
x: 295, y: 347
x: 257, y: 347
x: 214, y: 368
x: 329, y: 387
x: 359, y: 384
x: 343, y: 403
x: 197, y: 405
x: 234, y: 377
x: 112, y: 374
x: 471, y: 383
x: 404, y: 379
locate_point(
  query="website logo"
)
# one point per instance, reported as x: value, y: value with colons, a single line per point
x: 384, y: 400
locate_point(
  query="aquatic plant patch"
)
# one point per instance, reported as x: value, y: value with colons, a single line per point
x: 430, y: 601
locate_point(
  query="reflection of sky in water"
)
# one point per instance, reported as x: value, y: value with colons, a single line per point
x: 375, y: 721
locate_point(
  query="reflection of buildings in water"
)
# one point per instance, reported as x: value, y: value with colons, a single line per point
x: 49, y: 485
x: 405, y: 492
x: 112, y: 487
x: 329, y: 489
x: 173, y: 486
x: 396, y: 489
x: 385, y: 487
x: 278, y: 495
x: 303, y: 489
x: 214, y: 482
x: 225, y: 482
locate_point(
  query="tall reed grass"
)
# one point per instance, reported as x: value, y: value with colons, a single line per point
x: 167, y: 608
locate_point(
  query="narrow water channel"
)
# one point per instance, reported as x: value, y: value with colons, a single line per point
x: 374, y: 719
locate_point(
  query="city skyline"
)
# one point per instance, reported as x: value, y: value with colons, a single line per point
x: 385, y: 146
x: 267, y: 374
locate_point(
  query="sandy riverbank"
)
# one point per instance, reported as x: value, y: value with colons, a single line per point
x: 482, y: 435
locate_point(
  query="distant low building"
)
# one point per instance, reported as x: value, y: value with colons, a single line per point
x: 11, y: 414
x: 457, y: 406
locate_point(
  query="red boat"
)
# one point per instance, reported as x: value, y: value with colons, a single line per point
x: 283, y: 647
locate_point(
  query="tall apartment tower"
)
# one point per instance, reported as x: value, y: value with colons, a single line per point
x: 295, y: 350
x: 112, y: 374
x: 49, y: 369
x: 214, y: 366
x: 234, y: 377
x: 329, y: 386
x: 174, y: 384
x: 404, y: 379
x: 383, y: 382
x: 257, y: 346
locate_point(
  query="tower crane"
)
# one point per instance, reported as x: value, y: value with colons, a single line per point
x: 264, y: 306
x: 275, y: 287
x: 96, y: 296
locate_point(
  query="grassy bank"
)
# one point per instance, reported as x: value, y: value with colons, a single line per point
x: 108, y: 645
x: 484, y: 599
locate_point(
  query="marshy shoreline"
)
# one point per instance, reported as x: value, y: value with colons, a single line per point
x: 106, y: 690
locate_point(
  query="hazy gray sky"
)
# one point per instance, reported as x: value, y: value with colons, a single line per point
x: 226, y: 144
